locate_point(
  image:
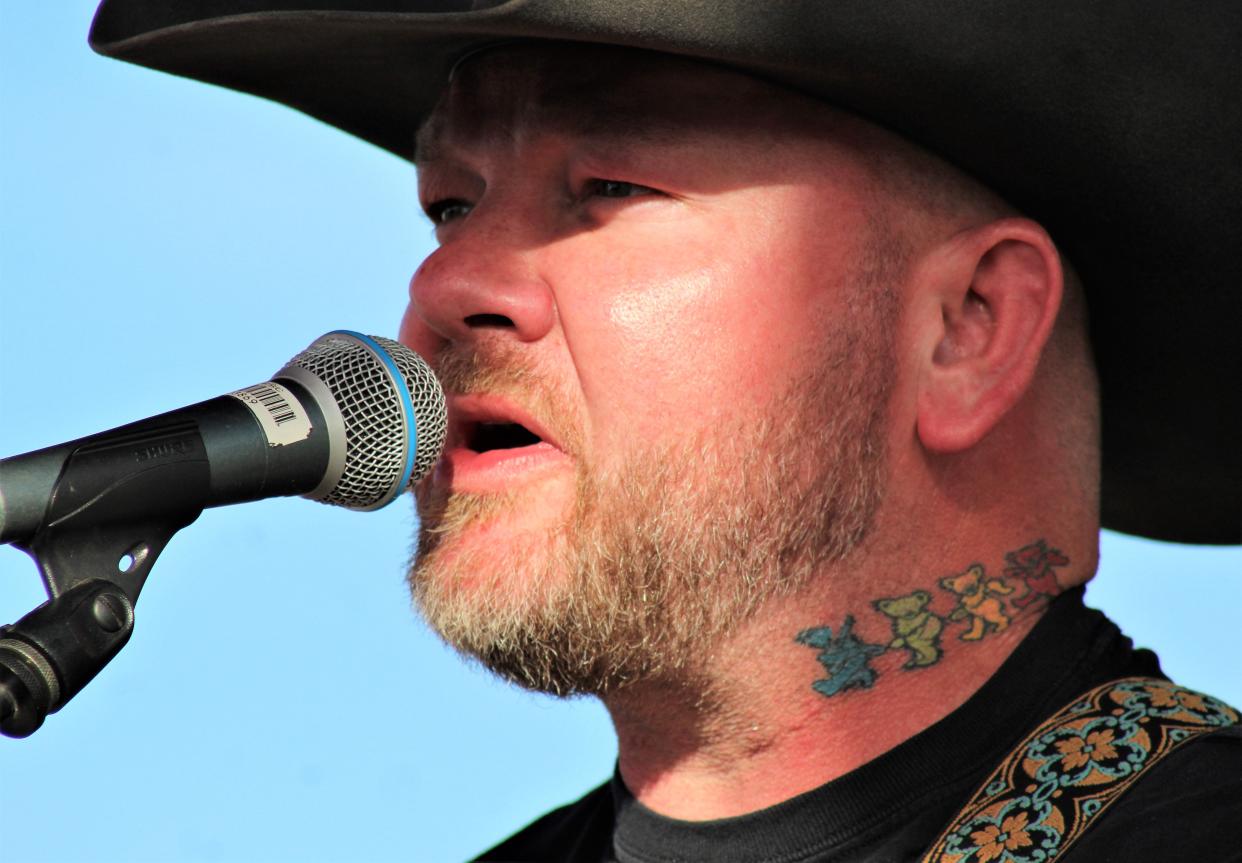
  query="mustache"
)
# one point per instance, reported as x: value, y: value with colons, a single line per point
x: 465, y: 369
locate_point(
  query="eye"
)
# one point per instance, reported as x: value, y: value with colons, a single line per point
x: 598, y: 188
x: 447, y: 210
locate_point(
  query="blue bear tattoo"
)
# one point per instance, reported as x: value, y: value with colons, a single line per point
x: 844, y: 656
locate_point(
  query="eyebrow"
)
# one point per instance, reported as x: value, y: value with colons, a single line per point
x: 600, y: 118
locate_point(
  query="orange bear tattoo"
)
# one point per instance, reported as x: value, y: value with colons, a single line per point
x: 979, y: 599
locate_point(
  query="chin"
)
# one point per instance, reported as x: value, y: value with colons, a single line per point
x: 496, y: 562
x: 480, y: 554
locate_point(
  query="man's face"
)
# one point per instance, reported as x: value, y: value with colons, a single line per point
x: 666, y: 275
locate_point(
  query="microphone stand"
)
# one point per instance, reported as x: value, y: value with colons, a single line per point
x: 94, y: 548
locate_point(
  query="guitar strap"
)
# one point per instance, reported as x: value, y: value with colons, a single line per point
x: 1053, y: 786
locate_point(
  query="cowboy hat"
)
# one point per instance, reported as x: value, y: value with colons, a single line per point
x: 1116, y: 125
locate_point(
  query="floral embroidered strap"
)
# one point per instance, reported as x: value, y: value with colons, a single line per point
x: 1057, y: 781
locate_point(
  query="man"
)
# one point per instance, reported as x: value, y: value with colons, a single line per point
x: 779, y: 434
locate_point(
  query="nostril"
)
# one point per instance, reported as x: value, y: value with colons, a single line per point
x: 488, y: 321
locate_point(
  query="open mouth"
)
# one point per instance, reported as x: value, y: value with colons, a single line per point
x: 495, y: 444
x: 488, y: 436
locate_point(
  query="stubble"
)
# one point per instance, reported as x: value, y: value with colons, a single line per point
x: 663, y: 556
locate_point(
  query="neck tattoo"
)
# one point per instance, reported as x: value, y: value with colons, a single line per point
x: 975, y: 605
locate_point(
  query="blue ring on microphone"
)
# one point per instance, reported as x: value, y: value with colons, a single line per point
x: 411, y: 421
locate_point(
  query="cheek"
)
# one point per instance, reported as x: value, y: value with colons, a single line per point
x: 673, y: 333
x: 652, y: 312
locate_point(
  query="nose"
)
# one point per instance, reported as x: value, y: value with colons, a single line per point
x: 477, y: 283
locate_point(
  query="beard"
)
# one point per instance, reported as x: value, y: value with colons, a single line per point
x: 664, y: 555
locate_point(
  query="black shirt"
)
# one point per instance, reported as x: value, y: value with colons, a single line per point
x: 1187, y: 807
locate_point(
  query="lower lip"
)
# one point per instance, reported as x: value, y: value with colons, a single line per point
x: 464, y: 470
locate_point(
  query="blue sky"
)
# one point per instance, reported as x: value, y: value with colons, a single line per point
x: 162, y: 242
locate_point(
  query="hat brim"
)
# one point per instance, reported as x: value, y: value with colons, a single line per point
x: 1117, y: 126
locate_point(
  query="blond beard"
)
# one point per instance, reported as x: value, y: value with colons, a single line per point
x: 667, y: 554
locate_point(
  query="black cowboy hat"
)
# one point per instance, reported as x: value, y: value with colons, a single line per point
x: 1115, y: 124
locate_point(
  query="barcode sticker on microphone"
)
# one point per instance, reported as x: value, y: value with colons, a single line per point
x: 282, y: 416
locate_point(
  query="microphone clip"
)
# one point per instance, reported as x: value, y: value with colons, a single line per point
x: 94, y: 548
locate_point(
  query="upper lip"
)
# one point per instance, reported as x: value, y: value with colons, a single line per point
x: 467, y: 411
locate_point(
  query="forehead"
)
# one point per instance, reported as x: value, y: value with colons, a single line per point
x: 606, y: 92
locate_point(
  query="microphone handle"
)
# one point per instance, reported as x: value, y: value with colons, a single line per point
x: 273, y: 443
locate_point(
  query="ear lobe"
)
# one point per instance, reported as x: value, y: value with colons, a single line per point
x: 998, y: 290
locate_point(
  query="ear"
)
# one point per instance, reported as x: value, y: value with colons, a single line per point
x: 990, y: 297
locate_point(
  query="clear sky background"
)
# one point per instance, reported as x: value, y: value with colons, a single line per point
x: 163, y: 242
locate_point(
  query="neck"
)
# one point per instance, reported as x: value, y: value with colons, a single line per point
x: 820, y: 683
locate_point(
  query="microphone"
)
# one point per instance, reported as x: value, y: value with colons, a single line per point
x: 352, y: 421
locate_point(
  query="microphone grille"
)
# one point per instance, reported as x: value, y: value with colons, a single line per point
x: 430, y: 410
x: 358, y: 372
